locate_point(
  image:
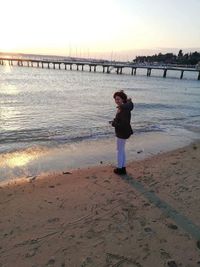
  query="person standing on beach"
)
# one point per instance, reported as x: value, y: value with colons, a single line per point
x: 122, y: 126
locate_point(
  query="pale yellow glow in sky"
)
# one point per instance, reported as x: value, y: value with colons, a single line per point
x: 82, y: 27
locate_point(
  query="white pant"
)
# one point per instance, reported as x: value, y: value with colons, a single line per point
x: 121, y: 156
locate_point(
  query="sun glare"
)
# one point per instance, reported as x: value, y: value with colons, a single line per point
x: 17, y: 159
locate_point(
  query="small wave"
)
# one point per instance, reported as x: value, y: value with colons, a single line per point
x: 53, y: 137
x: 149, y: 128
x: 153, y: 106
x: 160, y: 106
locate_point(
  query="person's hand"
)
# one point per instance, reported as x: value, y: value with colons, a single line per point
x: 118, y: 109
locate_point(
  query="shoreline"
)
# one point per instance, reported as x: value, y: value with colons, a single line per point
x: 38, y: 161
x: 92, y: 217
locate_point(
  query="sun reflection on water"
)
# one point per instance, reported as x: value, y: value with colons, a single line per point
x: 17, y: 159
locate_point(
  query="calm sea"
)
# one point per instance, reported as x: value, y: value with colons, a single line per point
x: 47, y: 108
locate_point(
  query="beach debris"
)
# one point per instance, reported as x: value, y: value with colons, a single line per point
x: 106, y: 181
x: 172, y: 226
x: 53, y: 220
x: 67, y: 173
x: 164, y: 254
x: 171, y: 263
x: 174, y: 163
x: 148, y: 230
x: 32, y: 178
x: 51, y: 262
x: 194, y: 146
x: 51, y: 186
x: 101, y: 162
x: 140, y: 151
x: 198, y: 244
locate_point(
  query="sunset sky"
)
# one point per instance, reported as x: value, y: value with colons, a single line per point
x: 104, y: 28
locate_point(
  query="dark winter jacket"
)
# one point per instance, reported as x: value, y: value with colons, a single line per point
x: 122, y: 121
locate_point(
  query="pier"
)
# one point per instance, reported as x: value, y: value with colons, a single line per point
x: 106, y: 66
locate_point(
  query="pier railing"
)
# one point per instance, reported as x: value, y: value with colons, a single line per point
x: 107, y: 66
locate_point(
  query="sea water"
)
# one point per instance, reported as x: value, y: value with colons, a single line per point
x: 43, y: 110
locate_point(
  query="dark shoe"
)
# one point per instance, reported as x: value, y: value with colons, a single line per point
x: 119, y: 171
x: 124, y: 170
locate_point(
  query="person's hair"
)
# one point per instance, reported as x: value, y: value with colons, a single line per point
x: 122, y: 95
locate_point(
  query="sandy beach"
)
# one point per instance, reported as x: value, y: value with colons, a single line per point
x: 93, y: 218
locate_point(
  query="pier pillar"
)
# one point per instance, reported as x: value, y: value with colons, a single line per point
x: 59, y: 66
x: 148, y: 72
x: 131, y: 71
x: 42, y: 65
x: 38, y: 64
x: 103, y: 69
x: 135, y: 71
x: 165, y: 73
x: 77, y: 67
x: 54, y: 66
x: 65, y: 66
x: 108, y: 70
x: 182, y: 74
x: 31, y: 63
x: 121, y: 70
x: 82, y: 67
x: 70, y: 66
x: 199, y: 76
x: 48, y: 65
x: 117, y: 70
x: 95, y: 68
x: 90, y: 68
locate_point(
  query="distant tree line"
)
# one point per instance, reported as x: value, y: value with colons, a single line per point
x: 170, y: 58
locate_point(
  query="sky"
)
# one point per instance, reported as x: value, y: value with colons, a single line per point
x: 113, y: 29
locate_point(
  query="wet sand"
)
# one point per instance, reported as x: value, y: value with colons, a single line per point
x: 91, y: 217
